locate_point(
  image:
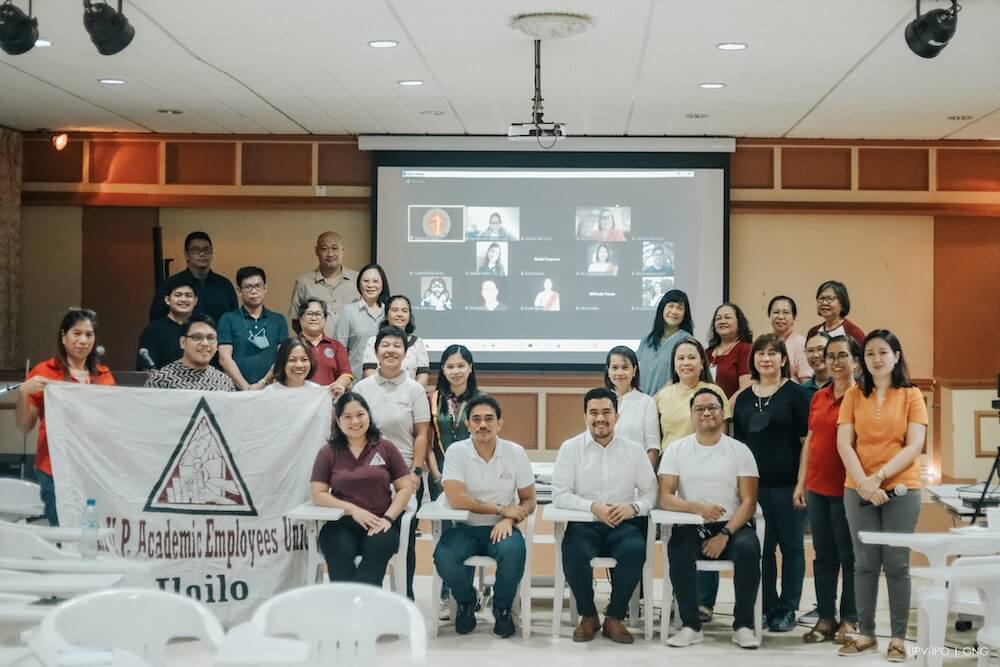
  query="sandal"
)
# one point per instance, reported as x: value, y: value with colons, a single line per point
x: 896, y: 651
x: 823, y: 631
x: 846, y: 631
x: 860, y: 645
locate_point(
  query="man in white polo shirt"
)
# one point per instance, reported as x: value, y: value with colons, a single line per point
x: 492, y: 479
x: 711, y: 474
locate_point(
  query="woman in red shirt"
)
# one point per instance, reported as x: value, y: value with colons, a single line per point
x: 729, y: 349
x: 820, y: 490
x: 75, y: 361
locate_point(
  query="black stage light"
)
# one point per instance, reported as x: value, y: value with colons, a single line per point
x: 927, y: 35
x: 109, y: 30
x: 18, y: 31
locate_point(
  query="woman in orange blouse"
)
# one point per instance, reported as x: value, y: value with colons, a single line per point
x: 880, y: 434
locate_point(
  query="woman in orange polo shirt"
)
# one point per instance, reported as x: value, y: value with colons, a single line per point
x: 75, y: 361
x: 880, y: 434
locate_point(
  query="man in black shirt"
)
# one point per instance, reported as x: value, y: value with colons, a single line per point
x: 161, y: 339
x: 215, y: 293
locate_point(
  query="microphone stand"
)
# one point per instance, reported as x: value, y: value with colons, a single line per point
x: 979, y: 504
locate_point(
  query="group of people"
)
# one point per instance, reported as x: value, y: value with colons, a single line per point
x: 811, y: 428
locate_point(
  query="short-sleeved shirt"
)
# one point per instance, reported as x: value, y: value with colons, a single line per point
x: 237, y: 327
x: 657, y: 365
x: 881, y: 432
x: 778, y: 445
x: 329, y: 359
x: 335, y: 292
x: 176, y: 375
x: 709, y: 473
x: 729, y: 367
x: 825, y: 474
x: 638, y: 419
x: 362, y: 481
x: 674, y: 404
x: 798, y: 364
x: 354, y: 327
x: 162, y: 339
x: 495, y: 481
x: 846, y: 328
x: 397, y: 406
x: 54, y: 370
x: 811, y: 386
x: 415, y: 362
x: 216, y: 296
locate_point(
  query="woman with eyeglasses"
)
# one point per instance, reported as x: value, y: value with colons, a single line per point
x: 637, y: 416
x: 782, y: 311
x: 881, y: 431
x: 359, y: 321
x: 833, y: 304
x: 75, y: 361
x: 672, y: 323
x: 820, y: 490
x: 416, y: 364
x: 331, y: 365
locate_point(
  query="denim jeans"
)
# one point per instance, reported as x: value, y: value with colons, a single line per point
x: 48, y: 494
x: 462, y: 541
x: 832, y: 544
x: 784, y: 529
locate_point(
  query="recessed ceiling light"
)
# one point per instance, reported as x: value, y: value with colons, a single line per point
x: 696, y: 116
x: 411, y: 82
x: 960, y: 116
x: 731, y: 46
x: 112, y: 82
x: 432, y: 112
x: 42, y: 43
x: 170, y: 112
x: 383, y: 44
x: 712, y: 85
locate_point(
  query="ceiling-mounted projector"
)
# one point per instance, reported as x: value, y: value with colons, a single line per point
x: 534, y: 131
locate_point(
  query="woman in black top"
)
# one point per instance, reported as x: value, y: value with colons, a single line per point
x: 771, y: 417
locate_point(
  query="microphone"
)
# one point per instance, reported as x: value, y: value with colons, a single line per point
x: 10, y: 387
x: 898, y: 490
x: 147, y: 360
x: 99, y: 351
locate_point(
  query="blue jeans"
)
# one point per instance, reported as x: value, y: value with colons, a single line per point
x: 48, y: 494
x: 784, y: 529
x: 832, y: 543
x: 462, y: 541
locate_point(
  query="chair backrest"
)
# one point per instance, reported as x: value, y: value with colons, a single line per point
x: 342, y: 621
x: 138, y: 620
x: 18, y: 491
x: 18, y: 542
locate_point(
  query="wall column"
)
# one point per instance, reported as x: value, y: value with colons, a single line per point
x: 10, y: 245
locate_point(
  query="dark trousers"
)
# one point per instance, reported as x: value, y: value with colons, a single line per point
x: 48, y: 494
x: 626, y: 543
x: 411, y: 553
x: 784, y: 529
x: 743, y: 548
x: 344, y: 540
x: 832, y: 543
x: 462, y: 541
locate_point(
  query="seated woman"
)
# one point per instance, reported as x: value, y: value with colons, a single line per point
x: 354, y: 472
x: 293, y: 365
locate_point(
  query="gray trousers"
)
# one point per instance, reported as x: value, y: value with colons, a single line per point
x: 899, y: 515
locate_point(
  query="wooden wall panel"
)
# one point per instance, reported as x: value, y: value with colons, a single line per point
x: 124, y: 162
x: 752, y: 168
x: 520, y: 418
x: 968, y: 170
x: 192, y: 163
x: 44, y: 164
x: 563, y: 418
x: 343, y: 164
x: 966, y: 292
x: 816, y: 168
x: 893, y: 169
x: 277, y: 164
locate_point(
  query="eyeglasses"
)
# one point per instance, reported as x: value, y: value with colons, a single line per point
x: 702, y: 409
x: 843, y: 356
x: 255, y: 287
x: 199, y: 251
x: 314, y: 313
x: 826, y: 298
x: 201, y: 338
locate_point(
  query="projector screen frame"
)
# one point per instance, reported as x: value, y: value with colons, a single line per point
x: 555, y: 160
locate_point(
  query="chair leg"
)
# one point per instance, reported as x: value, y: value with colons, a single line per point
x: 435, y: 612
x: 558, y: 584
x: 314, y: 561
x: 647, y: 601
x: 758, y: 613
x: 932, y: 619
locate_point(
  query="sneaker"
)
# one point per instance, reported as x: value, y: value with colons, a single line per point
x: 705, y: 613
x: 465, y: 620
x: 444, y: 610
x: 686, y: 637
x: 745, y: 638
x: 783, y: 622
x: 503, y: 624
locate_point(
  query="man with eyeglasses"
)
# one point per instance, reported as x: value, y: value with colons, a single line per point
x: 330, y: 360
x: 249, y: 337
x: 198, y: 342
x: 215, y: 293
x: 331, y: 282
x: 711, y: 474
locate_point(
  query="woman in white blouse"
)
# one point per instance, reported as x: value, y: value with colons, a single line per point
x: 637, y: 416
x: 416, y: 364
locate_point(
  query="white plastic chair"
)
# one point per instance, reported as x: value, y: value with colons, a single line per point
x: 342, y: 621
x: 141, y: 621
x: 17, y: 541
x: 20, y: 499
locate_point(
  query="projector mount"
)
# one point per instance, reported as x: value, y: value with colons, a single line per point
x: 537, y: 129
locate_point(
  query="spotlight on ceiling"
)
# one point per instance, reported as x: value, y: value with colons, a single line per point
x: 18, y: 31
x: 109, y: 30
x: 928, y: 34
x: 60, y: 141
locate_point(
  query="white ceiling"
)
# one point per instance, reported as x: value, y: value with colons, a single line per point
x: 815, y: 68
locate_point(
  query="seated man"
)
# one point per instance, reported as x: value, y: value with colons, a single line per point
x: 159, y: 338
x: 199, y: 343
x: 713, y: 475
x: 609, y: 476
x: 492, y: 479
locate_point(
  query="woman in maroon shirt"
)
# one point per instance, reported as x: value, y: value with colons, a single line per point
x: 820, y: 489
x: 729, y: 349
x: 354, y: 473
x: 833, y: 304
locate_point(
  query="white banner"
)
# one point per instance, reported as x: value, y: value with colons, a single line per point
x: 199, y: 481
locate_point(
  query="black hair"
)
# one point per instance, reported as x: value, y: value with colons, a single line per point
x: 840, y: 290
x: 249, y: 272
x: 706, y: 390
x: 443, y: 385
x: 483, y: 399
x: 72, y: 317
x: 338, y: 440
x: 743, y: 332
x: 821, y: 334
x: 597, y: 251
x: 391, y: 332
x: 196, y: 236
x: 284, y: 351
x: 900, y: 374
x: 304, y: 306
x: 628, y: 353
x: 383, y: 297
x: 852, y: 346
x: 598, y: 393
x: 704, y: 375
x: 659, y: 326
x: 179, y: 280
x: 782, y: 297
x: 763, y: 342
x: 195, y: 319
x: 601, y: 214
x: 411, y: 325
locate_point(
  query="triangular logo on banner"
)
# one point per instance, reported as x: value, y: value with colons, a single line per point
x: 201, y: 477
x: 377, y: 460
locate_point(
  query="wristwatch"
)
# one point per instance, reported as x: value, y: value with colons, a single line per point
x: 635, y: 508
x: 725, y: 531
x: 418, y: 471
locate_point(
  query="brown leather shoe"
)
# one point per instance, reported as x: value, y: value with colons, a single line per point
x: 586, y: 628
x: 616, y: 631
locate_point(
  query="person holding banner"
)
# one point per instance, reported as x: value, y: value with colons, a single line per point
x: 354, y: 473
x: 75, y: 361
x: 293, y: 366
x: 199, y: 342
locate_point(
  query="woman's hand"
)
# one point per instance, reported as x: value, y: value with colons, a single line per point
x: 382, y: 526
x: 365, y: 519
x: 799, y: 497
x: 34, y: 385
x: 868, y: 486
